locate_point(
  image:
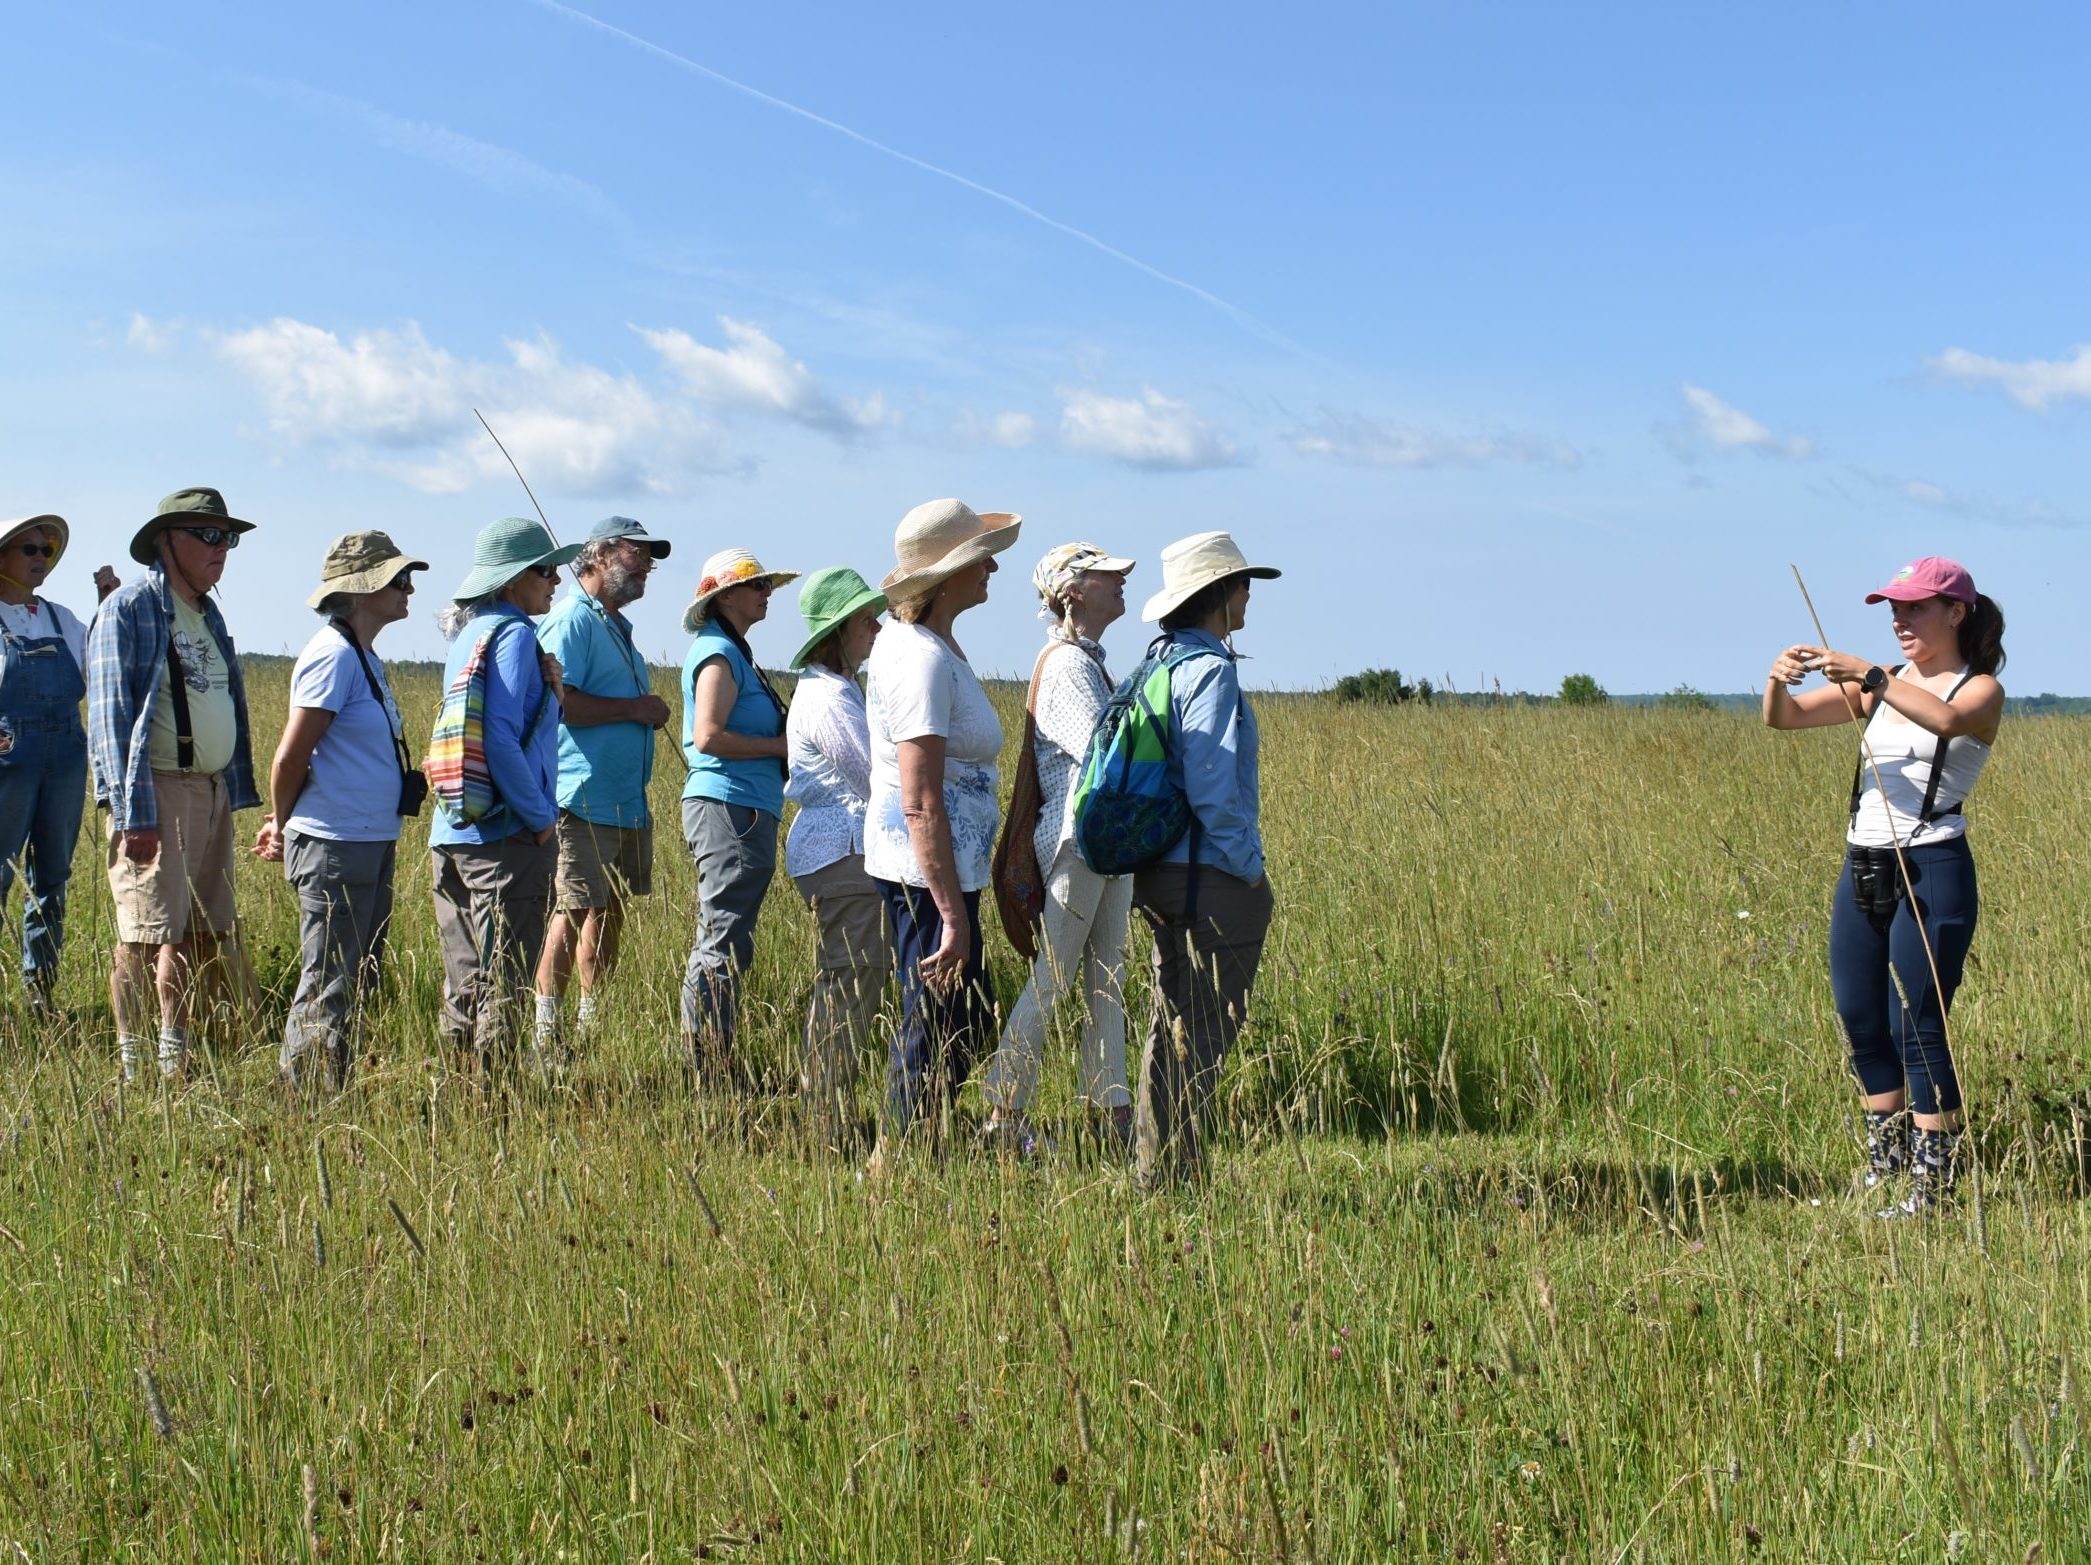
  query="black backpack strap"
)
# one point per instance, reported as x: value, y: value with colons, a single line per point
x: 1938, y: 766
x: 178, y: 693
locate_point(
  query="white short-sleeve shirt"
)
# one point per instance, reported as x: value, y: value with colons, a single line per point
x: 916, y: 686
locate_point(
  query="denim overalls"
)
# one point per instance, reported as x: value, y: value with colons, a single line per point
x: 43, y: 786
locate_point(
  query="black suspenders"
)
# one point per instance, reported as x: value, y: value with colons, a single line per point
x: 1928, y: 812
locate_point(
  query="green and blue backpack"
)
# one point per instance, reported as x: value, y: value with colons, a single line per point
x: 1128, y: 812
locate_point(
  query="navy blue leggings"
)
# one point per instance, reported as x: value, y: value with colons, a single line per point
x: 940, y: 1031
x: 1893, y: 1044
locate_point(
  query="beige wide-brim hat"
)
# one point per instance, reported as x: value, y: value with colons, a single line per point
x: 1199, y: 561
x: 727, y: 568
x: 361, y: 562
x: 56, y: 533
x: 940, y: 538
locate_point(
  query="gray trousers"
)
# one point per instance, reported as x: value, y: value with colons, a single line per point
x: 492, y: 901
x: 736, y: 852
x: 855, y: 961
x: 1203, y: 971
x: 344, y: 892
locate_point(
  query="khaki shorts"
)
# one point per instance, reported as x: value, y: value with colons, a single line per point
x: 188, y: 888
x: 599, y: 865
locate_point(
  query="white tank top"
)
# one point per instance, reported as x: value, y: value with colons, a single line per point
x: 1904, y: 751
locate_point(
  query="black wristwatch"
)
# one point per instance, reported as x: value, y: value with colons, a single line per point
x: 1876, y: 680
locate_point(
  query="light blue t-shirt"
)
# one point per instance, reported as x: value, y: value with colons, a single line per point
x: 352, y: 794
x: 603, y: 769
x: 756, y: 783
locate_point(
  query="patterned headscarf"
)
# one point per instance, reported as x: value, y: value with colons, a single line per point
x: 1053, y: 575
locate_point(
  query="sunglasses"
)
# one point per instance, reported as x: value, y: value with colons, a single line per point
x: 212, y: 537
x: 763, y: 587
x: 403, y: 582
x: 545, y: 572
x: 34, y: 551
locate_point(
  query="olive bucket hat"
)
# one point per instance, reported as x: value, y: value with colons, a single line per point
x: 361, y: 562
x: 507, y: 548
x: 827, y: 602
x: 197, y: 507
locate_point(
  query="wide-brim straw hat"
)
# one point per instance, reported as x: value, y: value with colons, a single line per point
x: 1199, y: 561
x: 55, y: 530
x: 940, y: 538
x: 828, y: 601
x: 507, y: 548
x: 728, y: 568
x: 361, y: 562
x: 197, y: 507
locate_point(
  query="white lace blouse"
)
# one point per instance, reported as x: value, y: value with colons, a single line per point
x: 828, y: 741
x: 1073, y: 689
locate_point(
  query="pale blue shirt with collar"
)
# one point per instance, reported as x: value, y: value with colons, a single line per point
x: 1214, y: 760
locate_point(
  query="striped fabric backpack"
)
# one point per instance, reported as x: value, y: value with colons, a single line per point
x: 456, y: 763
x: 1127, y: 811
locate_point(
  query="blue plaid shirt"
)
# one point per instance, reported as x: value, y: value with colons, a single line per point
x: 126, y: 659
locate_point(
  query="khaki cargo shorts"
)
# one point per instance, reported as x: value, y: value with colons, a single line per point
x: 599, y: 865
x: 188, y: 888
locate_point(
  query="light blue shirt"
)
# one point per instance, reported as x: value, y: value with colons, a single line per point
x: 1214, y: 760
x: 352, y: 793
x: 603, y: 768
x: 757, y: 783
x: 524, y: 773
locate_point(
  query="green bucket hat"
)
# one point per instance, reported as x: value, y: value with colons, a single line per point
x: 197, y: 507
x: 507, y: 548
x: 827, y: 601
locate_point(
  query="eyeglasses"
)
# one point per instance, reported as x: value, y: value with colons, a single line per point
x: 212, y: 537
x: 33, y: 551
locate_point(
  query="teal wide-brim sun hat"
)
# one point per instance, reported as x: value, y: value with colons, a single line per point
x: 826, y: 603
x: 507, y: 548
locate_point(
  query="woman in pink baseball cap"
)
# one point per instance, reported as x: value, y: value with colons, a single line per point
x: 1896, y: 957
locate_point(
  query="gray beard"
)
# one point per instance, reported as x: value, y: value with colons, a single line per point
x: 620, y: 585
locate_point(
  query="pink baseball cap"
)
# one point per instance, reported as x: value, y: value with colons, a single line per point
x: 1930, y: 577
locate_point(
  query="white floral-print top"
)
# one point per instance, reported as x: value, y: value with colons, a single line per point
x: 1073, y: 689
x: 917, y: 686
x: 829, y: 741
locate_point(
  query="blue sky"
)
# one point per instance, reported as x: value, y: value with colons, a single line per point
x: 1525, y: 339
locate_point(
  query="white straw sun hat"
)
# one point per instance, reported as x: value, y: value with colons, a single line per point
x: 941, y: 538
x: 1199, y: 561
x: 728, y: 568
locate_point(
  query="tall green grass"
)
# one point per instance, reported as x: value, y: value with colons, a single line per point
x: 1531, y: 1236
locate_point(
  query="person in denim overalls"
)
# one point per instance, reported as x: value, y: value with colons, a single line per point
x: 43, y: 748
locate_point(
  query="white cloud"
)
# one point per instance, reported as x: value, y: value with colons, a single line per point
x: 150, y: 336
x: 2029, y: 512
x: 391, y: 401
x: 2031, y: 383
x: 1350, y: 437
x: 1725, y: 427
x: 1010, y: 430
x: 752, y: 373
x: 1150, y: 431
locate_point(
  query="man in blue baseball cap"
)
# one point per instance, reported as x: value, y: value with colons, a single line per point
x: 606, y: 748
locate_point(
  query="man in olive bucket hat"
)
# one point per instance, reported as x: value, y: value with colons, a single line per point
x: 173, y: 759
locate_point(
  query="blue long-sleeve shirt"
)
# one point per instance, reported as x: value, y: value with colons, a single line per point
x: 525, y: 774
x: 1214, y: 760
x: 126, y: 660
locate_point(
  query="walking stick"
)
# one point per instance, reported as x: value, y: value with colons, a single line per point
x: 519, y: 478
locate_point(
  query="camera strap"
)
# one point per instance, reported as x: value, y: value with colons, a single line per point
x: 377, y: 694
x: 1928, y: 810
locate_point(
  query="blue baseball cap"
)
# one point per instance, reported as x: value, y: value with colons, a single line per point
x: 625, y: 527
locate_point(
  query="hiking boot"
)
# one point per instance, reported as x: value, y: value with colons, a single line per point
x: 1887, y: 1147
x: 1933, y: 1171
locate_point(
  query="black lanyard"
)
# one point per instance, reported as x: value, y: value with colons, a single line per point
x: 377, y: 694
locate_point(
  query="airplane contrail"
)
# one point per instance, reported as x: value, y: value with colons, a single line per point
x: 1233, y: 312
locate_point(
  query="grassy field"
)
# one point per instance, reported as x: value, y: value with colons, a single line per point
x: 1532, y: 1236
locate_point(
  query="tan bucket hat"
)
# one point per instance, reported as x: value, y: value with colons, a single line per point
x: 56, y: 533
x: 1199, y: 561
x: 728, y: 568
x: 940, y: 538
x: 361, y: 562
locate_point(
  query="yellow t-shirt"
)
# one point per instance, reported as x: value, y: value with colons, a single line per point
x: 212, y: 722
